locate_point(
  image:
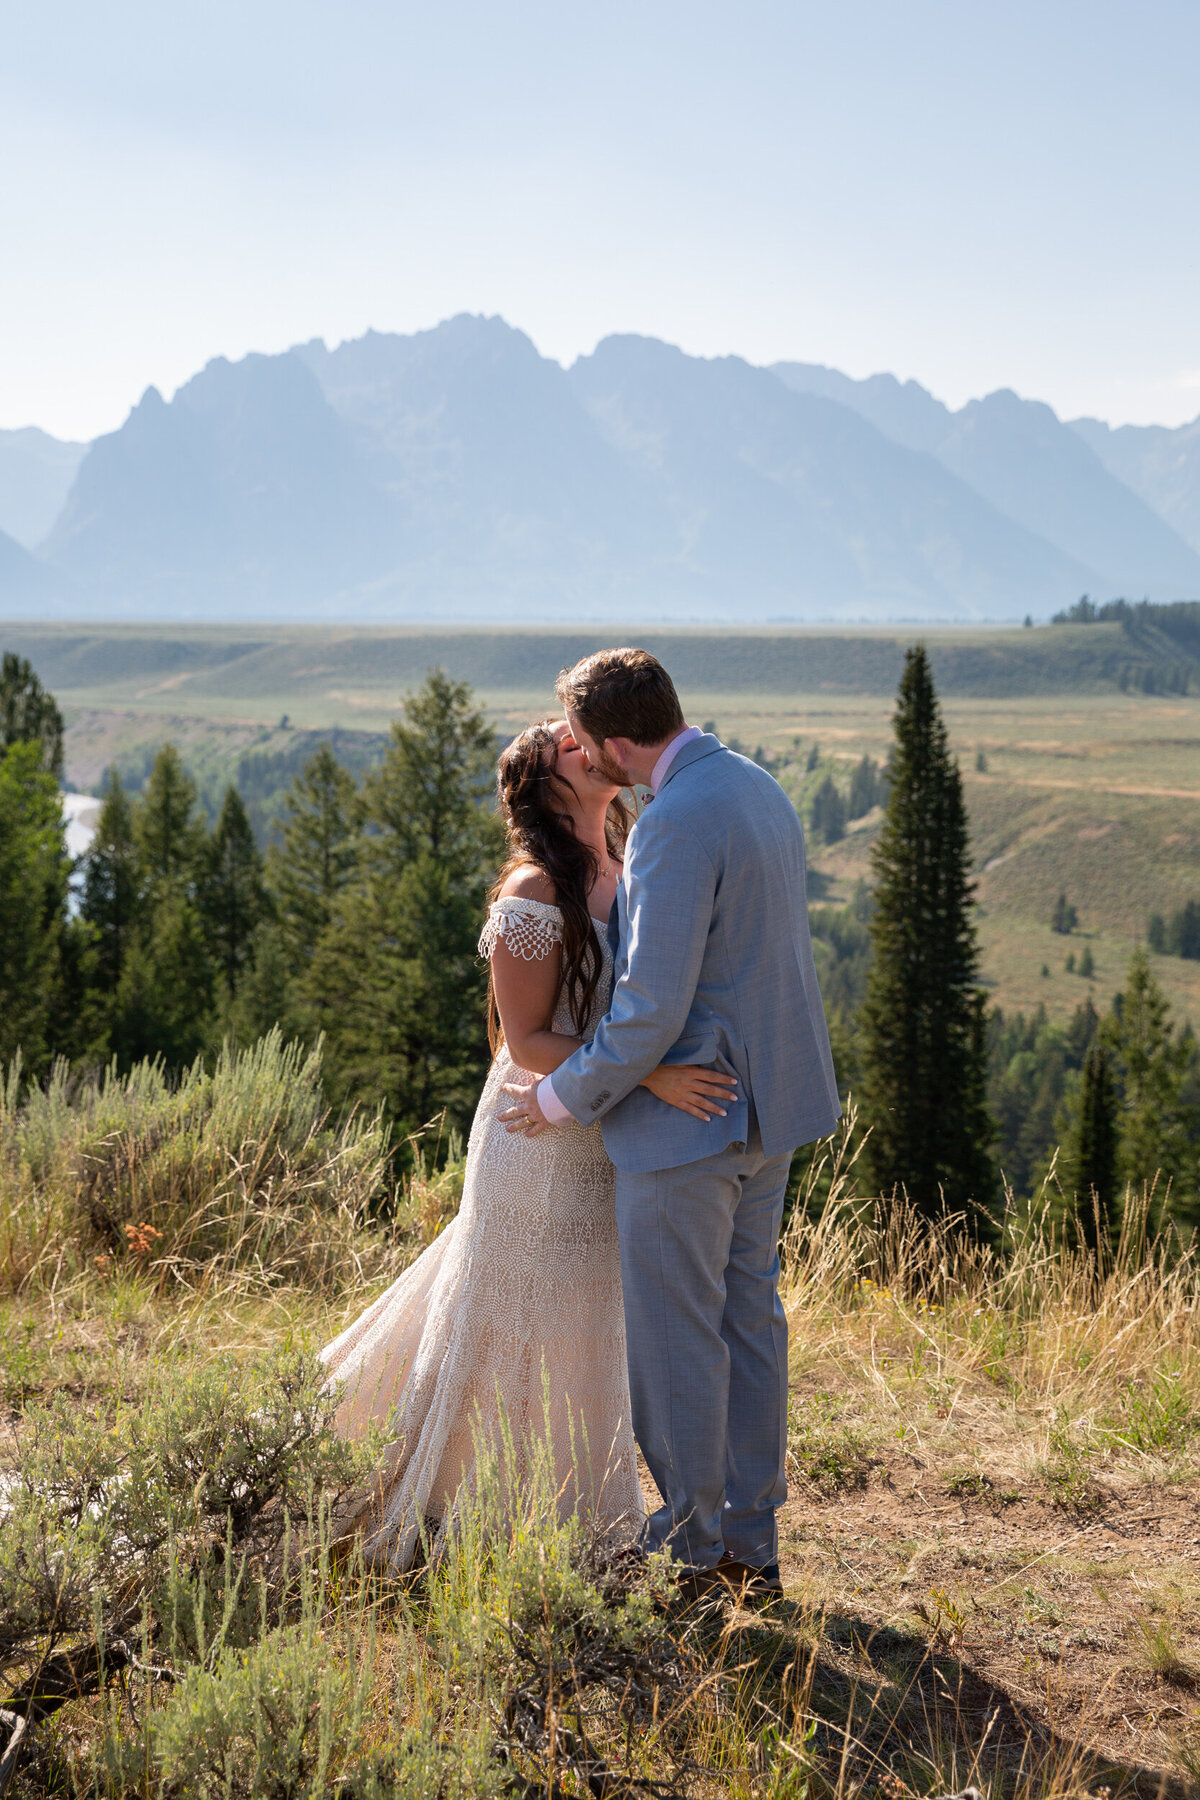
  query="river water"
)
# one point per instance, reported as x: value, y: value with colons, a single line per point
x: 81, y: 811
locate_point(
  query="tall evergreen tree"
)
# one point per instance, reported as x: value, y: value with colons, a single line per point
x: 1064, y: 918
x: 318, y: 857
x: 396, y: 975
x: 34, y: 867
x: 28, y: 714
x: 266, y: 993
x: 865, y: 789
x: 1157, y: 1134
x: 233, y: 894
x: 432, y: 796
x: 165, y: 992
x: 1093, y: 1149
x: 1184, y: 936
x: 165, y: 996
x: 168, y: 830
x: 924, y: 1056
x: 112, y: 887
x: 827, y: 815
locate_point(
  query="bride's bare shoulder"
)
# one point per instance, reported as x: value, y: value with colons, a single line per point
x: 528, y: 882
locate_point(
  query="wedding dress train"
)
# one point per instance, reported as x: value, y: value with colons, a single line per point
x: 514, y: 1310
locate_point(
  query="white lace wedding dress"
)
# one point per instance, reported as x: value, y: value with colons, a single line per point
x: 519, y: 1296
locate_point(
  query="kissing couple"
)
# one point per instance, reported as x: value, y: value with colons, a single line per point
x: 660, y: 1051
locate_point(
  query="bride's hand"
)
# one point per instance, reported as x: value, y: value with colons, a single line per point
x: 692, y: 1089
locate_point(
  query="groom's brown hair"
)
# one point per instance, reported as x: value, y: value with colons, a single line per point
x: 622, y: 694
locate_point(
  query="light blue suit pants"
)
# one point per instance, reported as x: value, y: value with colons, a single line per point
x: 707, y: 1345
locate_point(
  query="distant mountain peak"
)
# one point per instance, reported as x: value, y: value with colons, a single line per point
x: 456, y: 472
x: 36, y: 472
x: 1021, y: 458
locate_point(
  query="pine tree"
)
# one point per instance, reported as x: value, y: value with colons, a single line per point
x: 319, y: 854
x: 233, y: 895
x: 1064, y: 918
x: 266, y: 993
x: 864, y: 789
x: 924, y: 1061
x: 1082, y: 1031
x: 112, y: 888
x: 1150, y: 1064
x: 34, y: 868
x: 827, y: 815
x: 165, y: 995
x: 28, y: 714
x: 396, y: 976
x: 168, y: 831
x: 432, y: 794
x: 1184, y: 936
x: 1093, y: 1149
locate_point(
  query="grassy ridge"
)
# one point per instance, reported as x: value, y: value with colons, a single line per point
x: 183, y: 667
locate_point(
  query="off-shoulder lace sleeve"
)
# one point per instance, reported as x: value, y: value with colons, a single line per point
x: 530, y: 928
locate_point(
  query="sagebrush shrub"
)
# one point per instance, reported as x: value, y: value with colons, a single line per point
x: 238, y: 1168
x: 109, y: 1519
x: 263, y: 1722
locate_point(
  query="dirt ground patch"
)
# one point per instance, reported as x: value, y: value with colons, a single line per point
x: 1083, y: 1629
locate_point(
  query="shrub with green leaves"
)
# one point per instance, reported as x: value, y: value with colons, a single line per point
x: 267, y: 1721
x: 146, y: 1520
x: 425, y: 1763
x: 550, y: 1627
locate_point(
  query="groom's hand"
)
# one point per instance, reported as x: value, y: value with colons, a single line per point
x: 525, y: 1116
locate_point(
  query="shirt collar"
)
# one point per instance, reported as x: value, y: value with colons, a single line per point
x: 659, y: 772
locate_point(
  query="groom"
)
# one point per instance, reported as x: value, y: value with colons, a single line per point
x: 713, y: 966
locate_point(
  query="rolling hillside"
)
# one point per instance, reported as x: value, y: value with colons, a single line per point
x: 330, y: 676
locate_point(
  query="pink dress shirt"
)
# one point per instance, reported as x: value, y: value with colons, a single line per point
x: 553, y: 1110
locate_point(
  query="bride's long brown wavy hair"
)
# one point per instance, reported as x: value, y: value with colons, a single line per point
x: 541, y: 832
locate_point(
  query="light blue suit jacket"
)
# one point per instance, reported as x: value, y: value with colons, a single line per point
x: 714, y: 965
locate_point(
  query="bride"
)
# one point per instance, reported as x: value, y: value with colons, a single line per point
x: 514, y: 1313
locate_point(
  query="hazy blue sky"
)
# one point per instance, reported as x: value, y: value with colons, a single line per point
x: 979, y: 193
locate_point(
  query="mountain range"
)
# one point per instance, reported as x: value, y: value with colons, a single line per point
x: 456, y: 474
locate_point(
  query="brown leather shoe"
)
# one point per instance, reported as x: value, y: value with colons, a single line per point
x: 746, y: 1582
x: 696, y: 1585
